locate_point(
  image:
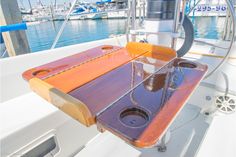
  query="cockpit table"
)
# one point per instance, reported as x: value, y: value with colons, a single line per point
x: 134, y: 92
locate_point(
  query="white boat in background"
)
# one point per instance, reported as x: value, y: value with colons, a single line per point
x: 91, y: 16
x: 90, y: 11
x: 109, y: 14
x: 114, y: 10
x: 117, y: 14
x: 84, y: 11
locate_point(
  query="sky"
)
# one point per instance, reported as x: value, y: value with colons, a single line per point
x: 45, y: 2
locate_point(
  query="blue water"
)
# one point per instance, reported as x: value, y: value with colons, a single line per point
x: 208, y: 27
x: 41, y: 36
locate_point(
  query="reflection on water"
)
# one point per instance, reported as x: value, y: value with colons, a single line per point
x: 41, y: 36
x: 208, y: 27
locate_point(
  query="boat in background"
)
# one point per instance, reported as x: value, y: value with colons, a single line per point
x: 112, y: 9
x: 86, y: 11
x: 100, y: 10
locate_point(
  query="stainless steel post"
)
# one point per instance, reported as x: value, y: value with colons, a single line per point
x: 161, y: 17
x: 176, y: 22
x: 133, y: 18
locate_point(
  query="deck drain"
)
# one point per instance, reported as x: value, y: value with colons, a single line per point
x: 225, y: 104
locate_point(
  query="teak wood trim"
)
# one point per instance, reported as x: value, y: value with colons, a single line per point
x: 78, y: 76
x: 66, y: 103
x: 154, y: 51
x: 68, y: 62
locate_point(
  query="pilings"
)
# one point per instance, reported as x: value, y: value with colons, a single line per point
x: 16, y: 41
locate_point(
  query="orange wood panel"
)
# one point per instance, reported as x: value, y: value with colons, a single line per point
x: 154, y: 51
x: 82, y: 74
x: 57, y: 66
x: 103, y: 91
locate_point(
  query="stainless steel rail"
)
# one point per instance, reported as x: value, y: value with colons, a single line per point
x: 63, y: 25
x: 133, y: 11
x: 231, y: 9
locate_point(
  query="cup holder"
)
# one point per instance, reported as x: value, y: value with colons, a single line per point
x: 40, y: 72
x: 134, y: 117
x: 106, y: 48
x: 187, y: 64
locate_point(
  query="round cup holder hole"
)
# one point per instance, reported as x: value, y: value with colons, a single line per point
x: 105, y: 48
x: 40, y: 72
x: 134, y: 117
x: 186, y: 64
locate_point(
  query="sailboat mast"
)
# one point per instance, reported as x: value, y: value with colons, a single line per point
x: 30, y: 4
x: 40, y: 3
x: 31, y: 12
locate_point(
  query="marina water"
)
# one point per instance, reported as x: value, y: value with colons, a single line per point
x: 42, y: 35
